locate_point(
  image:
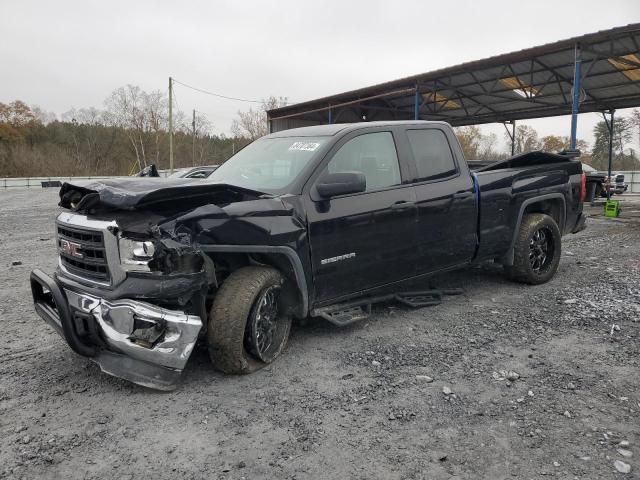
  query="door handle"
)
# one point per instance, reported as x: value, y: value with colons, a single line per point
x: 402, y: 205
x: 462, y: 194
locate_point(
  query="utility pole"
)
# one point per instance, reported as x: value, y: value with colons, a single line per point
x: 170, y: 125
x: 193, y: 126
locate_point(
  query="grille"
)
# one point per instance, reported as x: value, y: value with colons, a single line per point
x: 90, y: 261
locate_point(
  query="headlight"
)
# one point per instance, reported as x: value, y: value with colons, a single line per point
x: 136, y: 255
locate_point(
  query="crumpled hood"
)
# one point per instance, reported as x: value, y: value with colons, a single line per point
x: 135, y: 193
x: 189, y: 212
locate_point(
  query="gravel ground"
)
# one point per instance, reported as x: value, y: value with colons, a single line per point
x: 504, y: 381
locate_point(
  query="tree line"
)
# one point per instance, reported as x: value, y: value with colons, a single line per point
x: 479, y: 146
x: 131, y: 132
x: 128, y: 134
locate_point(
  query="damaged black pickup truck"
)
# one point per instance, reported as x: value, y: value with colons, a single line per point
x: 315, y: 221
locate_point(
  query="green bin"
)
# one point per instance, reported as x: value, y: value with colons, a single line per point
x: 612, y: 208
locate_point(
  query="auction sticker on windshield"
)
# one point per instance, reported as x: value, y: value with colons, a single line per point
x: 306, y: 146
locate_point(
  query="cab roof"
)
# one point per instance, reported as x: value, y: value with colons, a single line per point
x: 334, y: 129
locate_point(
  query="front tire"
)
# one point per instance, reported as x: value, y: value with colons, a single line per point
x: 537, y: 250
x: 247, y: 327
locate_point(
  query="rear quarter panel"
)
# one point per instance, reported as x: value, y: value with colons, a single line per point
x: 503, y: 194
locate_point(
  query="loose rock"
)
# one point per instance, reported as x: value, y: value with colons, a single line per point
x: 621, y: 466
x: 512, y: 376
x: 625, y: 453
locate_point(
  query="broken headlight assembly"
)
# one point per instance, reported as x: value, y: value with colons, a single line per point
x: 158, y: 256
x: 135, y: 255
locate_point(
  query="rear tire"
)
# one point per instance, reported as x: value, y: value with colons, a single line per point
x: 247, y: 329
x: 537, y: 250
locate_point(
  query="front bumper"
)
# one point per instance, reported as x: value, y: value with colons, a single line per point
x: 133, y: 340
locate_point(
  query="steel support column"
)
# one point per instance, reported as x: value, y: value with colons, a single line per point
x: 330, y: 115
x: 416, y: 105
x: 512, y: 134
x: 575, y: 106
x: 610, y: 126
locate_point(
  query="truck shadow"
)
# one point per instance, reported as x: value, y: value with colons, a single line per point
x: 469, y: 280
x: 314, y: 333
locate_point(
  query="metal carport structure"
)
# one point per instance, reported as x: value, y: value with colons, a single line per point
x: 532, y: 83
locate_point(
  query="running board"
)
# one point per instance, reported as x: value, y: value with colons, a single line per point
x: 342, y: 314
x: 425, y: 298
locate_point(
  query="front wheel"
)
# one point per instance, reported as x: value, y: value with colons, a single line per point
x: 537, y: 250
x: 247, y: 327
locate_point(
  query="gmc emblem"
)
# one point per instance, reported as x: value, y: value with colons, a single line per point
x: 71, y: 248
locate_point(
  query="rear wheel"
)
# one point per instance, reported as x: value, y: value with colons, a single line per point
x: 537, y: 250
x: 247, y: 327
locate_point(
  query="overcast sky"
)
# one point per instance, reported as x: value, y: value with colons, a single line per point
x: 59, y: 54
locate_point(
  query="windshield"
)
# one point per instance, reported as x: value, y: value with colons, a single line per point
x: 269, y: 164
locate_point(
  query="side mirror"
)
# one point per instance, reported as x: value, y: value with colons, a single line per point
x: 333, y: 184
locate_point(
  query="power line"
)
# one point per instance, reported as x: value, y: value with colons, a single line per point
x: 217, y: 94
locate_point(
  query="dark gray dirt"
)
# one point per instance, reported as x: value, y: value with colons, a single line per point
x: 544, y: 382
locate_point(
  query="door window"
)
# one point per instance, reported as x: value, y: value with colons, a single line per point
x: 374, y: 155
x: 432, y: 154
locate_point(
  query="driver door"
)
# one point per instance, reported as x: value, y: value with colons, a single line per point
x: 364, y: 240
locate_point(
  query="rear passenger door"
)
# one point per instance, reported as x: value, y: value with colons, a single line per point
x: 363, y: 240
x: 445, y: 198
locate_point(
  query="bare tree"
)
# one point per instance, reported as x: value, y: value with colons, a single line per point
x: 123, y: 111
x: 43, y: 116
x: 477, y: 145
x: 526, y: 139
x: 92, y: 141
x: 156, y: 113
x: 252, y: 123
x: 470, y: 138
x: 635, y: 121
x: 144, y: 117
x: 487, y: 150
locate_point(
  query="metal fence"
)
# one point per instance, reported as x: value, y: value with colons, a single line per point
x: 39, y: 182
x: 36, y: 182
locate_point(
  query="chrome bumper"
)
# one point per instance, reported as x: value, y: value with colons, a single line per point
x: 134, y: 340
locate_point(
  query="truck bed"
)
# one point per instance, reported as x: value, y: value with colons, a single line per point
x: 522, y: 160
x: 504, y: 187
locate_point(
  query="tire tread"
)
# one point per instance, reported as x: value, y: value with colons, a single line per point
x: 228, y: 318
